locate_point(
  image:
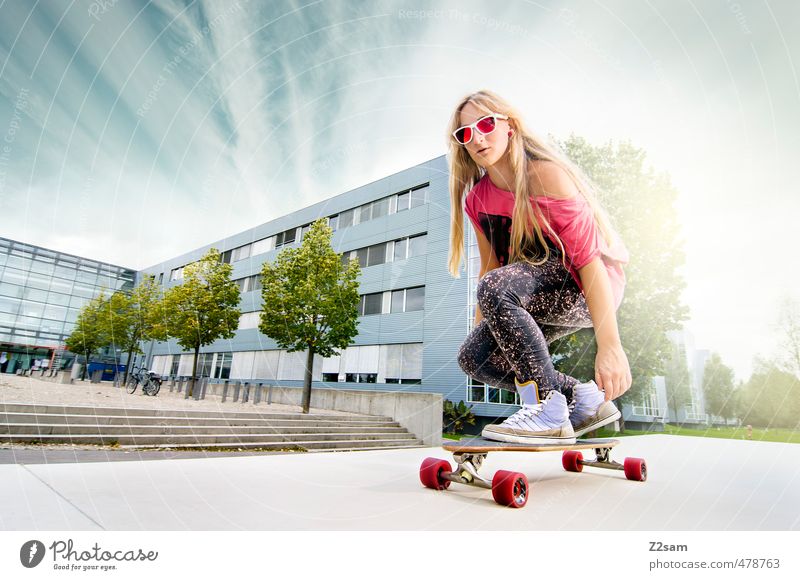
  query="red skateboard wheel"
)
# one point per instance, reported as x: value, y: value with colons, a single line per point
x: 510, y: 489
x: 635, y: 469
x: 571, y: 460
x: 430, y: 473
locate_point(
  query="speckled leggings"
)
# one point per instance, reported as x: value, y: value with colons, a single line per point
x: 524, y: 309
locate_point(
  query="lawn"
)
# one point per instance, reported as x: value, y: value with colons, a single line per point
x: 777, y: 435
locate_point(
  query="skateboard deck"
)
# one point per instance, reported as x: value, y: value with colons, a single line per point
x: 481, y: 445
x: 510, y: 488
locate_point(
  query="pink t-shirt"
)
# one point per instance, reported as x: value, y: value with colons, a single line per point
x: 490, y: 209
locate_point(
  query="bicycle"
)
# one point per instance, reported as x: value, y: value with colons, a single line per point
x: 150, y: 381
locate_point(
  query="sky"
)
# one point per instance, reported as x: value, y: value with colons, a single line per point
x: 133, y: 132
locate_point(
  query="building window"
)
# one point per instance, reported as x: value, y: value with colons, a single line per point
x: 416, y: 245
x: 263, y: 246
x: 419, y: 195
x: 371, y: 303
x: 377, y: 254
x: 285, y: 238
x: 222, y: 367
x: 330, y: 377
x: 249, y: 320
x: 241, y: 253
x: 346, y: 218
x: 402, y: 201
x: 415, y: 299
x: 400, y: 249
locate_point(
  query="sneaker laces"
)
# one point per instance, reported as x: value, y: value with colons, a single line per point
x: 525, y: 412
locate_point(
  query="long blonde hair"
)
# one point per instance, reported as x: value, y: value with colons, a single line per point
x: 523, y: 146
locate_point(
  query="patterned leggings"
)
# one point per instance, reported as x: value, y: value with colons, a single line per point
x: 524, y: 309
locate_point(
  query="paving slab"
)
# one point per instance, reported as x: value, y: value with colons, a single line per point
x: 693, y: 484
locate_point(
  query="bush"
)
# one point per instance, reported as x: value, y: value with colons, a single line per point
x: 455, y: 417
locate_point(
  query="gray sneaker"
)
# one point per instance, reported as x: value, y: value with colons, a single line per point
x: 543, y: 423
x: 589, y: 410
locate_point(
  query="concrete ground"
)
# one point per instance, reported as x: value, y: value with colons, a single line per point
x: 693, y: 484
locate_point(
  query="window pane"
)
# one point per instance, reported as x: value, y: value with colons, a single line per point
x: 416, y: 246
x: 366, y: 213
x: 262, y: 246
x: 288, y: 236
x: 397, y: 300
x: 507, y: 397
x: 415, y: 299
x: 377, y: 255
x: 477, y: 394
x: 346, y: 219
x: 334, y: 222
x: 402, y: 201
x: 494, y: 395
x: 400, y: 248
x: 226, y: 257
x: 418, y: 197
x: 372, y: 303
x: 380, y: 208
x: 362, y: 257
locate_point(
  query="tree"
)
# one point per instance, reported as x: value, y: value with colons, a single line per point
x: 789, y: 328
x: 719, y: 388
x: 771, y: 397
x: 130, y: 318
x: 677, y: 380
x: 641, y: 207
x: 310, y: 300
x: 88, y: 335
x: 201, y: 309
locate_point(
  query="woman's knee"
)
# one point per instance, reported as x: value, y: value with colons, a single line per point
x: 464, y: 358
x: 490, y: 290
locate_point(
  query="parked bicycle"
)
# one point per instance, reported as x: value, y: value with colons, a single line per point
x: 150, y: 381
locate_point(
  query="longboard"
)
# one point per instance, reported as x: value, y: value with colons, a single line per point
x: 512, y: 489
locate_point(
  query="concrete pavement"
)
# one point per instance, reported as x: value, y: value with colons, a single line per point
x: 693, y: 484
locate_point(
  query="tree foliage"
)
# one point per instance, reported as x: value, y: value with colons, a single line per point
x: 640, y: 205
x: 310, y: 300
x: 203, y: 308
x: 87, y: 337
x: 771, y: 397
x: 130, y: 318
x: 719, y: 389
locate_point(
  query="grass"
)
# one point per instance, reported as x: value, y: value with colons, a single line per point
x: 775, y: 435
x: 759, y: 434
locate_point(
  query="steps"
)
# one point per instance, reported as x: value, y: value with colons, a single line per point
x: 196, y: 429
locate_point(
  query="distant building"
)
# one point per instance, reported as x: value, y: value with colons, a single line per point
x: 41, y: 293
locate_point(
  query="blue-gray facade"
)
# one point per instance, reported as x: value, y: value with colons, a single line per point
x: 416, y: 315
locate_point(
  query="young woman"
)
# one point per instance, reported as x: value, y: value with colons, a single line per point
x: 550, y: 265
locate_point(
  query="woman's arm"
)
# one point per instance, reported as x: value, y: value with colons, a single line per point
x: 612, y: 371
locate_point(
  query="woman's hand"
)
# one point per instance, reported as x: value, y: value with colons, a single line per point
x: 611, y: 371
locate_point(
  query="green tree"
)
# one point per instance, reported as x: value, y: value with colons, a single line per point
x: 201, y: 309
x: 310, y: 300
x: 88, y: 336
x: 718, y: 388
x: 677, y: 380
x: 640, y: 204
x: 771, y: 397
x: 130, y: 318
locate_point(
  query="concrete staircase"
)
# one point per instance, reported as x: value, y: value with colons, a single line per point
x: 196, y: 429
